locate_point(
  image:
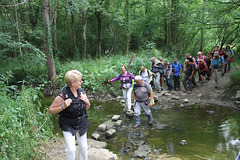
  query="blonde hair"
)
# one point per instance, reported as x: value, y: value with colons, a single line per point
x: 72, y: 76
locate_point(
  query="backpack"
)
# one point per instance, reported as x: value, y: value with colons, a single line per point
x: 147, y: 73
x: 217, y: 65
x: 135, y: 86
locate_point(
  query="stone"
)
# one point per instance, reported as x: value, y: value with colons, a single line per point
x: 96, y: 144
x: 123, y: 101
x: 130, y: 113
x: 185, y: 101
x: 109, y: 124
x: 142, y: 151
x: 115, y: 117
x: 200, y: 95
x: 118, y: 123
x: 95, y: 136
x: 237, y: 102
x: 98, y: 107
x: 101, y: 154
x: 181, y: 105
x: 111, y: 133
x: 102, y: 127
x: 155, y: 97
x: 167, y: 94
x: 210, y: 112
x: 175, y: 98
x: 237, y: 97
x: 183, y: 142
x: 160, y: 126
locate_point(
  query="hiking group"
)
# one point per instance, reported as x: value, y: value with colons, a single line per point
x: 217, y: 62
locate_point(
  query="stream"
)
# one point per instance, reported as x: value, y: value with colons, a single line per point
x: 210, y: 131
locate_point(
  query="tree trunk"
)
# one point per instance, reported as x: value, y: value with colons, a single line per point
x: 127, y: 28
x: 27, y: 38
x: 18, y: 33
x: 84, y: 39
x: 165, y: 25
x: 47, y: 39
x: 99, y: 22
x: 173, y: 42
x: 74, y: 36
x: 202, y: 27
x: 69, y: 34
x: 55, y: 32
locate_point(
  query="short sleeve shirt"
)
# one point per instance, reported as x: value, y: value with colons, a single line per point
x: 142, y: 92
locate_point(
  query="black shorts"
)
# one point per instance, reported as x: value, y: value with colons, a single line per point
x: 203, y: 73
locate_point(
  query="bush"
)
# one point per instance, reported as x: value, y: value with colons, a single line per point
x: 235, y: 79
x: 24, y: 125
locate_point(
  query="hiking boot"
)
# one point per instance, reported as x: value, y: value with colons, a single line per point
x: 150, y: 119
x: 136, y: 125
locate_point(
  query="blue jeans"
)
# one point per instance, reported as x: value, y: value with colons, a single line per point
x: 169, y: 83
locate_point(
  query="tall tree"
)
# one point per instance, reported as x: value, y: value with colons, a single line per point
x: 47, y: 39
x: 127, y: 28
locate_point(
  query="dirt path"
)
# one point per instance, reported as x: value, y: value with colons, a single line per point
x: 208, y: 94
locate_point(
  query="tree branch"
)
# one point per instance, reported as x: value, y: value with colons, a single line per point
x: 13, y: 5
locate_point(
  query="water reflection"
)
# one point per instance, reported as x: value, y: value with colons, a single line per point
x: 229, y: 131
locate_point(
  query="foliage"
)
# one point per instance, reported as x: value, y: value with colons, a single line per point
x: 24, y: 125
x: 235, y: 79
x: 97, y: 72
x: 30, y: 68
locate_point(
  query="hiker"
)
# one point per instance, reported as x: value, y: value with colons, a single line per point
x: 203, y: 69
x: 176, y: 73
x: 208, y: 61
x: 168, y: 74
x: 200, y: 56
x: 192, y: 60
x: 230, y: 54
x: 216, y: 52
x: 157, y: 68
x: 141, y: 93
x: 145, y: 74
x: 161, y: 75
x: 218, y: 68
x: 188, y: 75
x: 71, y: 104
x: 225, y: 56
x: 126, y: 79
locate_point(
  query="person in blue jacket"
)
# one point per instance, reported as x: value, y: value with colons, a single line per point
x: 177, y: 71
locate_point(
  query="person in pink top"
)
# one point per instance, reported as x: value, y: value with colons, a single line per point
x: 126, y: 79
x: 203, y: 69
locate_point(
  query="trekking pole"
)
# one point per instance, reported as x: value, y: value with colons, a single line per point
x: 133, y: 56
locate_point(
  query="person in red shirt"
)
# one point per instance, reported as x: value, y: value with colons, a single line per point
x: 216, y: 51
x: 203, y: 69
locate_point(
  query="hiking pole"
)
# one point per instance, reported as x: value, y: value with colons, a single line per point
x: 133, y: 56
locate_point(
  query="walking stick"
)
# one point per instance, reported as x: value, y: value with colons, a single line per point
x: 133, y: 56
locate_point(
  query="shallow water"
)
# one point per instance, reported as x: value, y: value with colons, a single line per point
x: 209, y: 135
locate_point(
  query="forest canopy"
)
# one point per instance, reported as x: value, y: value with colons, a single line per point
x: 46, y: 31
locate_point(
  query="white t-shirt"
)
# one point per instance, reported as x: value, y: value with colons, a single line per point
x: 145, y: 75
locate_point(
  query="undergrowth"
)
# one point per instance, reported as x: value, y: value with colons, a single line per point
x: 24, y: 125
